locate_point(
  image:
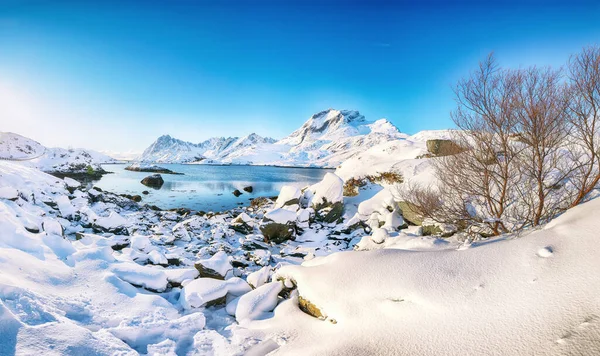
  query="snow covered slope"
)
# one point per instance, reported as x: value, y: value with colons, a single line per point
x: 533, y: 295
x: 325, y: 140
x: 25, y: 151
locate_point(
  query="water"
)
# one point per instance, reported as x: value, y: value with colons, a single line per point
x: 208, y: 188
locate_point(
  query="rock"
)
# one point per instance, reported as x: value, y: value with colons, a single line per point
x: 145, y: 192
x: 409, y: 214
x: 432, y: 228
x: 310, y: 309
x: 237, y: 193
x: 215, y: 267
x: 136, y: 198
x: 277, y: 233
x: 242, y: 224
x: 331, y: 213
x: 248, y: 189
x: 150, y: 169
x: 442, y: 148
x: 288, y: 195
x: 259, y: 202
x: 154, y: 181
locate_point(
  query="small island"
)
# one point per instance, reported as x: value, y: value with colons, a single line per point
x: 152, y: 168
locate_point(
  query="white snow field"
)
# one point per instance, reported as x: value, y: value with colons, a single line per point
x: 87, y: 272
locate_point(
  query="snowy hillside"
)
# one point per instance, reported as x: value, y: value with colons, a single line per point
x: 325, y: 140
x: 27, y: 152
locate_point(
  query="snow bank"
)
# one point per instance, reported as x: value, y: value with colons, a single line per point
x: 502, y: 296
x: 258, y: 303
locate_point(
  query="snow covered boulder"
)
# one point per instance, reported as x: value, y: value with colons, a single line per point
x: 154, y: 181
x: 243, y: 224
x: 71, y: 184
x: 208, y: 291
x: 8, y: 193
x: 258, y: 303
x: 279, y: 225
x: 52, y: 227
x: 260, y: 277
x: 113, y: 223
x: 328, y: 198
x: 152, y: 279
x: 432, y: 228
x: 215, y: 267
x: 288, y: 195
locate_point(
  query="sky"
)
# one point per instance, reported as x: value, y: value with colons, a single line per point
x: 115, y: 75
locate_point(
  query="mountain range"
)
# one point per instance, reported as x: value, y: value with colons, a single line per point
x: 325, y: 140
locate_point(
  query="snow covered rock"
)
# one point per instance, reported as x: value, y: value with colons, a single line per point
x: 260, y: 277
x: 258, y: 303
x: 8, y: 193
x: 147, y: 277
x: 209, y: 291
x: 243, y: 224
x: 52, y: 226
x: 157, y: 258
x: 215, y: 267
x: 289, y: 195
x: 278, y: 225
x: 114, y: 223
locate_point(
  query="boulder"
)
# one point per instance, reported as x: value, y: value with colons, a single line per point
x: 154, y: 181
x: 145, y: 192
x: 237, y: 193
x: 277, y: 232
x: 329, y: 213
x: 242, y: 224
x: 248, y: 189
x: 136, y: 198
x: 310, y: 309
x: 409, y: 213
x: 441, y: 148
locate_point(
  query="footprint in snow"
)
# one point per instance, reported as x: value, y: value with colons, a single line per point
x: 545, y: 252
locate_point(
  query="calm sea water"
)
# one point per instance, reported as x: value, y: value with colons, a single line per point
x: 208, y: 188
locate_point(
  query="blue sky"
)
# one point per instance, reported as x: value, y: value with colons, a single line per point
x: 113, y: 75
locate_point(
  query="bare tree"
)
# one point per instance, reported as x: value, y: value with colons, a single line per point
x: 541, y: 107
x: 584, y: 75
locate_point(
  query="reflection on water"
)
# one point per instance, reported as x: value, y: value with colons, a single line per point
x: 208, y: 187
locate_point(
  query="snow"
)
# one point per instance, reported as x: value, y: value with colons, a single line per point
x: 287, y: 194
x: 30, y: 153
x: 258, y: 303
x: 8, y: 193
x: 219, y: 263
x: 280, y: 216
x: 112, y: 221
x: 330, y: 189
x: 260, y: 277
x: 144, y: 276
x: 68, y: 289
x: 501, y: 296
x: 71, y: 183
x: 204, y: 290
x: 326, y: 140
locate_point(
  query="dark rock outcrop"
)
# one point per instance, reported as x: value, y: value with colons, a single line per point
x: 153, y: 181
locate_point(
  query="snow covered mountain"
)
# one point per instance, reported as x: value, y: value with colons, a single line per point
x: 167, y: 149
x: 325, y: 140
x: 28, y: 152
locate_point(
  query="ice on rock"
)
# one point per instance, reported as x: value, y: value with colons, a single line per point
x: 287, y: 196
x: 201, y: 291
x: 258, y: 303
